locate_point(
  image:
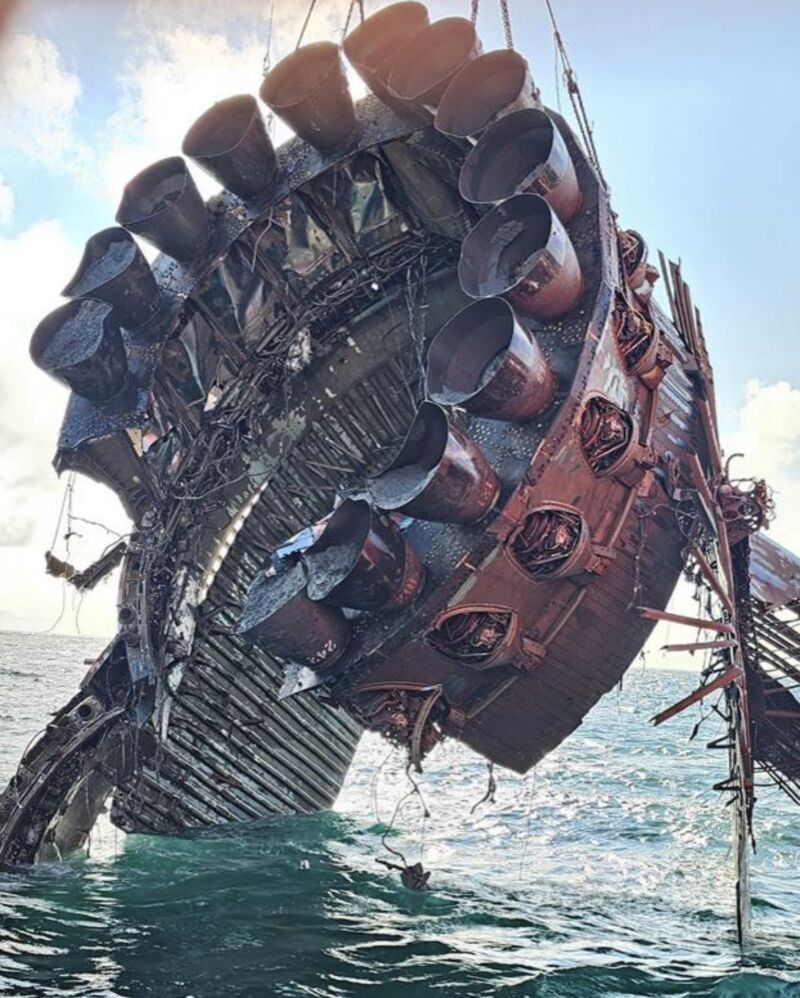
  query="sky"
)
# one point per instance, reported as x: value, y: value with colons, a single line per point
x: 697, y: 125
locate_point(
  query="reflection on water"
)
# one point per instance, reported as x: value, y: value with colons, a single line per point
x: 606, y: 872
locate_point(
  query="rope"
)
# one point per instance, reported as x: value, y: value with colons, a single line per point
x: 311, y: 7
x: 575, y: 96
x: 473, y: 16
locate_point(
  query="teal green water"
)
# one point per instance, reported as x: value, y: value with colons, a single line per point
x: 605, y: 873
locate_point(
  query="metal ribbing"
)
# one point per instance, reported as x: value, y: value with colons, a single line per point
x: 233, y: 751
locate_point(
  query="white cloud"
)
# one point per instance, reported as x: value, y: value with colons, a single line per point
x: 766, y: 431
x: 6, y: 203
x: 39, y: 104
x: 769, y: 428
x: 169, y: 82
x: 36, y: 264
x: 768, y: 435
x: 172, y: 76
x: 168, y: 78
x: 253, y: 16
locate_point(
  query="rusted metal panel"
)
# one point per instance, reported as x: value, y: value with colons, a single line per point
x: 774, y: 572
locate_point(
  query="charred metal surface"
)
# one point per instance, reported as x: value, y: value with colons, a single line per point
x: 65, y: 777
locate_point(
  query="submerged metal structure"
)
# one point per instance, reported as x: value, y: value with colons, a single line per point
x: 407, y: 444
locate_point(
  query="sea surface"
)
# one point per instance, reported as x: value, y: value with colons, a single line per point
x: 605, y: 872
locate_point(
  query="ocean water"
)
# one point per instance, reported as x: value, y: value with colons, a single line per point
x: 606, y: 872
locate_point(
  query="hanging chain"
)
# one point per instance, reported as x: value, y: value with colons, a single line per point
x: 506, y: 24
x: 504, y: 15
x: 575, y: 96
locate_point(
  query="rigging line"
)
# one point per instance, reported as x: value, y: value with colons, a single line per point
x: 69, y: 533
x: 557, y: 79
x: 374, y: 784
x: 506, y: 18
x: 67, y: 489
x: 575, y: 95
x: 390, y: 826
x: 311, y: 7
x: 268, y: 54
x: 350, y: 10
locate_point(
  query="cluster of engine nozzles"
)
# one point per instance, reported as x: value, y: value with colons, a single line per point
x: 482, y: 360
x: 360, y: 560
x: 424, y: 71
x: 517, y: 261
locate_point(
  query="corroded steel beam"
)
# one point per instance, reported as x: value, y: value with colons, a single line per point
x: 721, y: 627
x: 728, y: 677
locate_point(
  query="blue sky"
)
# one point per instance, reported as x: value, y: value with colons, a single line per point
x: 696, y: 121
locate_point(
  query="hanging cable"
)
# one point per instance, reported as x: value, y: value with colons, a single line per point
x: 350, y: 10
x: 311, y: 7
x: 267, y: 64
x: 575, y: 96
x: 67, y: 492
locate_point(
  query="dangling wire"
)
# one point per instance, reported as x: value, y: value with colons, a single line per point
x: 491, y: 790
x: 575, y: 96
x: 66, y: 507
x: 67, y: 497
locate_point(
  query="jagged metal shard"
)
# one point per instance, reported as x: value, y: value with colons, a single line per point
x: 359, y: 498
